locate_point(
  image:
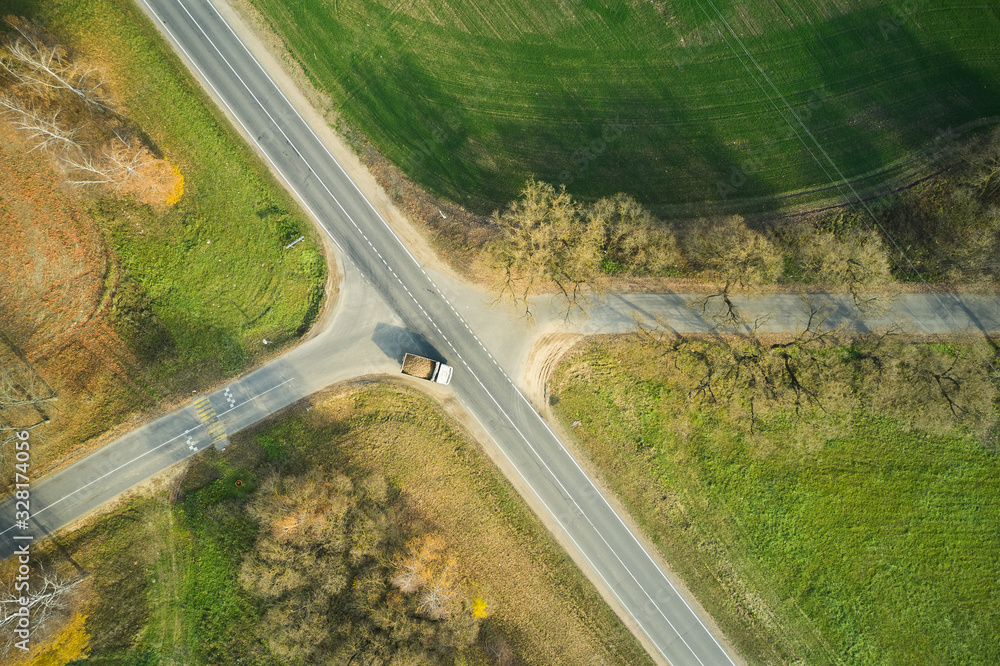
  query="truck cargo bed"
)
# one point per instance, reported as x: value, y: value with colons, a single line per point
x: 418, y: 366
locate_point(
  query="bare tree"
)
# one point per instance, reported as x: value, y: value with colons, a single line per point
x: 427, y: 568
x: 741, y: 257
x: 499, y: 650
x: 545, y: 239
x: 120, y: 164
x: 440, y: 598
x: 48, y: 96
x: 45, y: 601
x: 42, y: 128
x: 633, y: 241
x: 856, y: 260
x: 126, y: 158
x: 20, y: 389
x: 47, y: 70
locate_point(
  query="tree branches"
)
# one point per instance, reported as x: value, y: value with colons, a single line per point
x: 340, y: 582
x: 58, y: 104
x: 46, y: 598
x: 819, y: 370
x: 120, y: 164
x: 48, y: 71
x: 42, y: 128
x: 430, y: 572
x: 544, y: 239
x: 19, y: 389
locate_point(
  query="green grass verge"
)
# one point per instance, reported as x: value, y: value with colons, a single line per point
x: 877, y: 547
x: 166, y: 575
x: 472, y: 97
x: 218, y: 616
x: 204, y: 281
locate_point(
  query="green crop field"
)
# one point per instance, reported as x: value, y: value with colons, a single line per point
x: 472, y: 97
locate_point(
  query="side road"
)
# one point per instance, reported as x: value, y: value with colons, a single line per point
x: 364, y: 337
x: 512, y: 339
x: 538, y: 463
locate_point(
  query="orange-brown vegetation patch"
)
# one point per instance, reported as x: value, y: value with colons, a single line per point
x: 54, y: 262
x: 96, y: 382
x: 50, y: 95
x: 55, y: 341
x: 157, y: 182
x: 525, y: 583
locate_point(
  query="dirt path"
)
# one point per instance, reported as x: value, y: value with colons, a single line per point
x: 541, y: 361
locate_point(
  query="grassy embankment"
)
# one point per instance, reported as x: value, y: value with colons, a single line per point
x: 471, y: 98
x: 873, y: 547
x: 174, y: 564
x: 190, y: 289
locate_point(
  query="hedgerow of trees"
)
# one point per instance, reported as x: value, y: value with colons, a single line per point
x: 944, y: 230
x: 547, y: 238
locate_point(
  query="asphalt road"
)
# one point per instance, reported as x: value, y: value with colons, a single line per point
x: 597, y: 537
x: 389, y: 304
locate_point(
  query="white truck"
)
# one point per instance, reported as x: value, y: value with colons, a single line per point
x: 425, y: 368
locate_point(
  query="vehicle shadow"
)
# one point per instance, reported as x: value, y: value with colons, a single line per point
x: 396, y: 341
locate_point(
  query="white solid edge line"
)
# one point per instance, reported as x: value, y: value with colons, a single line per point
x: 246, y: 130
x: 311, y: 131
x: 582, y: 513
x: 570, y: 536
x: 592, y: 485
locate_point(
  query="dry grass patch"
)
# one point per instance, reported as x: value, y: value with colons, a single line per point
x: 162, y: 574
